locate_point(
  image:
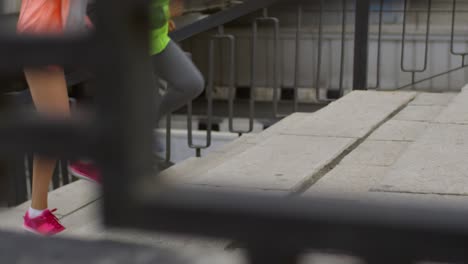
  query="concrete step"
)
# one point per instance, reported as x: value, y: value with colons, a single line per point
x: 436, y: 162
x: 67, y: 200
x: 292, y: 153
x: 417, y: 156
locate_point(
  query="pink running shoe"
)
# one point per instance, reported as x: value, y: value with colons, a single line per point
x: 85, y: 170
x: 46, y: 224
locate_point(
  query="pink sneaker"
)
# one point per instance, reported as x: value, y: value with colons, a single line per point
x: 46, y: 225
x: 85, y: 170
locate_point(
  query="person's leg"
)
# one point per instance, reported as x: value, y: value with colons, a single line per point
x: 49, y: 92
x: 74, y: 15
x: 185, y: 82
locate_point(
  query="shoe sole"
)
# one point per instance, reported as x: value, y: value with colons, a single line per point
x: 81, y: 176
x: 34, y: 232
x: 30, y: 230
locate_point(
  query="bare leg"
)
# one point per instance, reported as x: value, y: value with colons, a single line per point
x: 49, y: 92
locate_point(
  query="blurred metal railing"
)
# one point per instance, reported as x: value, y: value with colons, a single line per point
x: 450, y: 10
x: 272, y: 229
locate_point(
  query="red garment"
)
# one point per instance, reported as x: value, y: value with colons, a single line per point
x: 43, y: 16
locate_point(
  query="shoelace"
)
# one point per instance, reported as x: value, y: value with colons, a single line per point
x: 54, y: 220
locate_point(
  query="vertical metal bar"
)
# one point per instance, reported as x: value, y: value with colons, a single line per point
x: 276, y: 74
x: 452, y: 35
x: 426, y: 45
x: 343, y: 39
x: 379, y: 46
x: 361, y: 39
x: 30, y: 160
x: 319, y: 52
x: 232, y: 83
x: 209, y: 98
x: 56, y: 176
x: 16, y: 180
x: 64, y: 171
x: 4, y: 180
x: 232, y: 76
x: 124, y: 149
x: 253, y: 73
x: 168, y: 137
x: 276, y: 34
x: 403, y: 35
x: 190, y: 124
x: 297, y: 58
x: 4, y: 184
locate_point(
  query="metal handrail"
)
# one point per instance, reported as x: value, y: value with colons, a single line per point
x: 220, y: 19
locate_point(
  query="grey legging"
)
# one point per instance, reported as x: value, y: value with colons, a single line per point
x: 185, y: 82
x: 76, y: 16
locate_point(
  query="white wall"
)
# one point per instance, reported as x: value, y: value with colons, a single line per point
x: 10, y: 6
x: 439, y: 58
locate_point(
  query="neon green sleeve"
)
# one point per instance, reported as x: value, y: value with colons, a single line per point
x: 160, y: 15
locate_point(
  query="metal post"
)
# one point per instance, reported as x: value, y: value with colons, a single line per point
x: 361, y: 37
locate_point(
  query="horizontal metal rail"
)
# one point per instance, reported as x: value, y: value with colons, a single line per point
x: 363, y: 229
x: 220, y: 18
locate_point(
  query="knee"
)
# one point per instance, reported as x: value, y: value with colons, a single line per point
x: 192, y: 85
x: 198, y: 84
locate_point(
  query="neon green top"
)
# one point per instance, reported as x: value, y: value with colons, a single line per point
x: 159, y: 26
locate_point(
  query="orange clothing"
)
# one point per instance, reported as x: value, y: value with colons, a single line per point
x: 47, y: 16
x: 43, y: 16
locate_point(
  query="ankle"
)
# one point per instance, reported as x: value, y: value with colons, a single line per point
x: 33, y: 213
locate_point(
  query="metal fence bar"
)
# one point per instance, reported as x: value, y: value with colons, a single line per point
x: 452, y: 36
x: 429, y: 233
x: 16, y: 182
x: 343, y: 45
x: 168, y: 138
x: 209, y: 97
x: 124, y: 149
x: 426, y: 45
x: 361, y: 42
x: 37, y: 51
x: 319, y: 52
x: 297, y: 58
x: 266, y: 18
x: 231, y: 39
x: 220, y: 18
x: 432, y: 77
x: 379, y: 47
x: 253, y: 75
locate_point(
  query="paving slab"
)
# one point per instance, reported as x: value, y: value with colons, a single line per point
x: 436, y: 163
x: 348, y: 179
x: 440, y: 99
x: 456, y: 112
x: 194, y: 167
x: 399, y: 130
x: 83, y: 193
x: 12, y: 219
x: 279, y: 127
x: 89, y: 215
x: 376, y: 153
x: 354, y: 116
x: 282, y: 162
x: 422, y: 113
